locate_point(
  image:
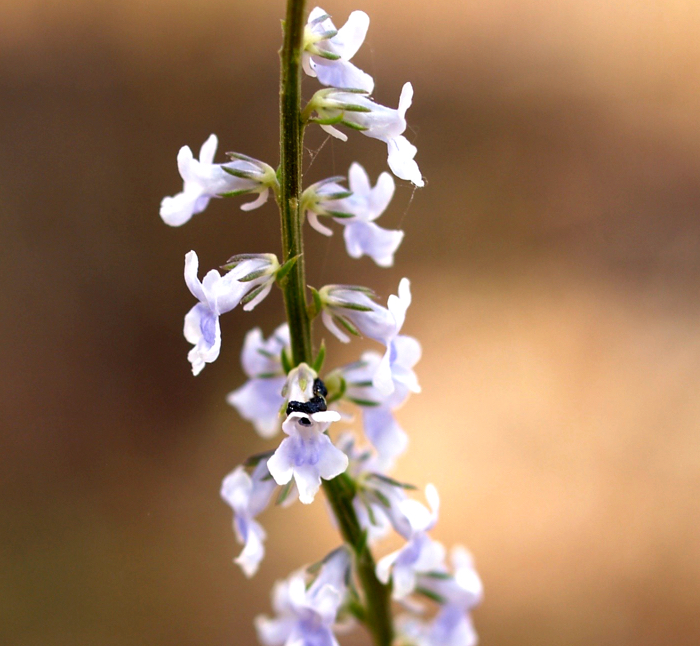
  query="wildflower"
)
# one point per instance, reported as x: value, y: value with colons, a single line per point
x: 203, y: 180
x: 379, y: 424
x: 306, y: 617
x: 356, y: 210
x: 248, y: 282
x: 353, y: 308
x: 421, y: 554
x: 356, y: 110
x: 307, y: 454
x: 458, y: 594
x: 327, y: 51
x: 248, y: 496
x: 259, y: 400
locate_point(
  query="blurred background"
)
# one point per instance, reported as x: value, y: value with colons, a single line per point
x: 555, y: 262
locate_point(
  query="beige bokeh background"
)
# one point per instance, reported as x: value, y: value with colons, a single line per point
x: 555, y: 263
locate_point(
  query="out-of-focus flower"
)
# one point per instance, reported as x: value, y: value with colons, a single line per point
x: 421, y: 554
x: 358, y: 112
x: 203, y: 180
x: 259, y: 399
x: 305, y: 617
x: 458, y: 594
x: 248, y: 496
x: 327, y: 51
x: 248, y: 282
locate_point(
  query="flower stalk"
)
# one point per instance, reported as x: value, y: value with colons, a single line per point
x: 289, y: 174
x: 340, y: 490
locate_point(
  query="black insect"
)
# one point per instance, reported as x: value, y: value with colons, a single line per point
x: 316, y: 404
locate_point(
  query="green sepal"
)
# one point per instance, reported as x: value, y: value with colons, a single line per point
x: 441, y: 576
x: 370, y: 515
x: 284, y: 493
x: 337, y: 196
x: 286, y: 362
x: 433, y: 596
x: 354, y: 126
x: 391, y: 481
x: 353, y: 107
x: 352, y: 306
x: 328, y: 55
x: 349, y: 327
x: 334, y: 396
x: 320, y: 358
x: 250, y: 296
x: 315, y: 21
x: 382, y: 498
x: 243, y: 191
x: 253, y: 275
x: 242, y: 174
x: 243, y: 157
x: 363, y: 402
x: 340, y: 214
x: 328, y: 180
x: 237, y: 259
x: 330, y: 121
x: 316, y: 306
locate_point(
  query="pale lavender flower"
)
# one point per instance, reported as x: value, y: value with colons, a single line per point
x: 306, y: 616
x: 356, y: 210
x: 353, y: 308
x: 458, y: 594
x: 220, y: 294
x: 307, y: 455
x: 202, y: 180
x: 260, y: 399
x: 357, y: 111
x: 380, y: 426
x: 327, y: 51
x: 421, y: 554
x: 248, y: 496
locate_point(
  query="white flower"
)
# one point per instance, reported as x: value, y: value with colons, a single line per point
x: 458, y: 594
x: 421, y: 554
x: 307, y: 454
x: 248, y: 496
x: 357, y: 111
x: 327, y: 50
x: 203, y: 180
x: 356, y: 210
x: 463, y: 588
x: 305, y: 617
x: 220, y: 294
x: 300, y: 384
x: 260, y: 399
x: 353, y: 308
x: 380, y: 426
x: 451, y: 627
x: 395, y: 370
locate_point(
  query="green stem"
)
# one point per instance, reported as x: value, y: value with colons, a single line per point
x: 341, y: 490
x: 291, y: 147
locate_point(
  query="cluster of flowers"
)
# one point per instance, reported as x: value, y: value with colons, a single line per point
x: 293, y: 399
